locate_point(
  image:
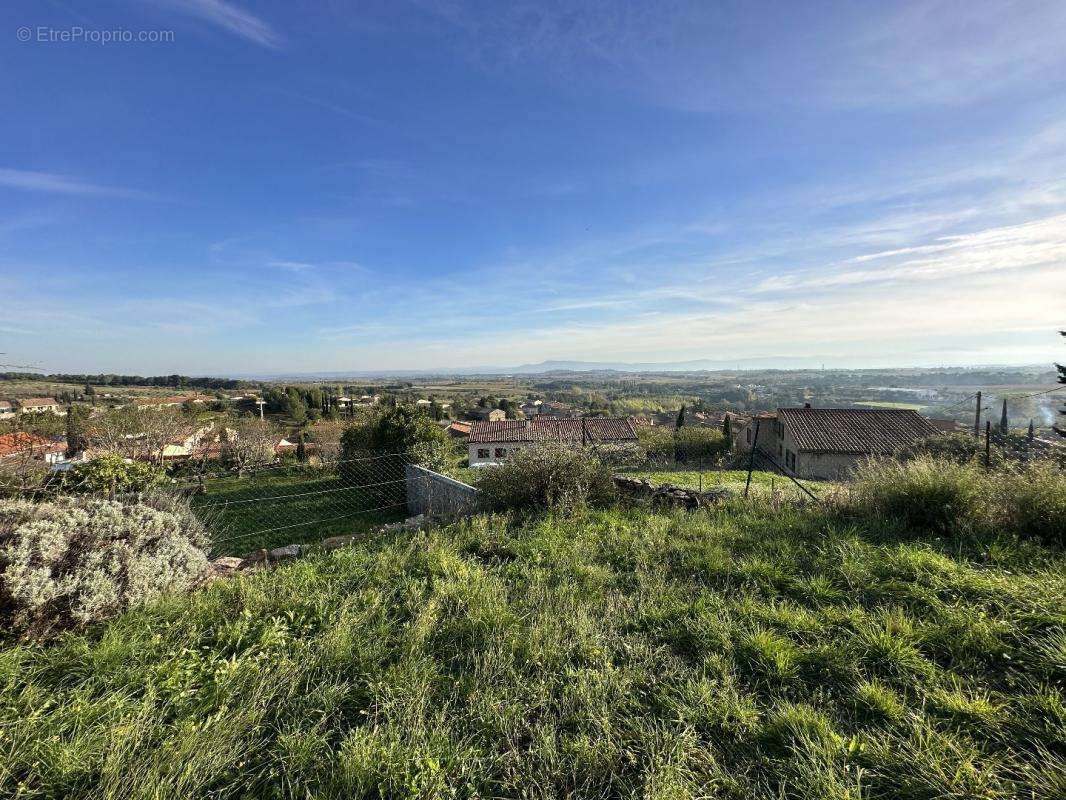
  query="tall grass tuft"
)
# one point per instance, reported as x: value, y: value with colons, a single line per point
x: 547, y: 476
x: 925, y: 493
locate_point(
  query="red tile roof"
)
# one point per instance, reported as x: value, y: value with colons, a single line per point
x: 854, y: 430
x: 568, y: 431
x: 19, y: 442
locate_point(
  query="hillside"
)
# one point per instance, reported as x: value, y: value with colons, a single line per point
x: 735, y: 654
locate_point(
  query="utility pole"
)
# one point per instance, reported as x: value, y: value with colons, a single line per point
x: 751, y: 460
x: 977, y: 417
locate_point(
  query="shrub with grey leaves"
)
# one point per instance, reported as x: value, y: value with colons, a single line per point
x: 79, y: 560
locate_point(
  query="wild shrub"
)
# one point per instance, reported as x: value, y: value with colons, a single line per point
x: 547, y: 476
x: 401, y: 431
x: 78, y: 560
x: 1032, y: 500
x: 925, y: 493
x: 111, y: 474
x: 962, y: 448
x: 695, y: 444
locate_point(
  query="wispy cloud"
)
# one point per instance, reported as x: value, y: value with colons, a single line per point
x: 232, y: 19
x: 64, y: 184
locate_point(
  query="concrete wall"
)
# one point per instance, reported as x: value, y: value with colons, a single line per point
x: 429, y: 492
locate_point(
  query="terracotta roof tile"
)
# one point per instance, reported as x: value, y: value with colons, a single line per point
x: 553, y: 430
x: 19, y: 442
x: 854, y: 430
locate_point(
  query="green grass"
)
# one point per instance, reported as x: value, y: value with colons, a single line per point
x: 291, y: 505
x: 762, y: 483
x: 744, y: 652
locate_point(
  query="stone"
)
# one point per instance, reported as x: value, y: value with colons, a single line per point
x: 227, y: 564
x: 255, y: 557
x: 286, y: 553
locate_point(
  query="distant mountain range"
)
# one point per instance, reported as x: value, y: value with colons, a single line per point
x: 547, y: 367
x: 566, y: 366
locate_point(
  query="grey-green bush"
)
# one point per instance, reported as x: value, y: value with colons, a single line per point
x: 547, y: 476
x: 79, y: 560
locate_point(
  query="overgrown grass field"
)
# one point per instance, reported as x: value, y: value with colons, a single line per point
x: 290, y: 505
x: 744, y: 652
x: 763, y: 483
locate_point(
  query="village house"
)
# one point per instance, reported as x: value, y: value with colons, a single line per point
x: 41, y: 405
x: 829, y: 443
x: 20, y: 447
x: 458, y: 429
x: 531, y: 408
x: 493, y: 442
x: 487, y: 414
x: 424, y: 404
x: 172, y: 401
x: 7, y: 410
x: 558, y: 410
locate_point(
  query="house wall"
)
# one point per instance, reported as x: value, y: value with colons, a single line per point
x: 827, y: 466
x: 818, y: 466
x: 767, y: 438
x: 493, y: 450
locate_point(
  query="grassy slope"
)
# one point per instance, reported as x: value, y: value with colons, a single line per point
x: 762, y: 482
x: 738, y: 654
x: 290, y: 506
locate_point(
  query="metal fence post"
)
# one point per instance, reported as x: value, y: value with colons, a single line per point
x: 988, y: 448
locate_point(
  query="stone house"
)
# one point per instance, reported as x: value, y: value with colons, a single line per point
x: 488, y: 414
x: 494, y: 442
x: 829, y: 443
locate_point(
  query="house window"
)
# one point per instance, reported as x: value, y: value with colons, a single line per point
x: 790, y: 460
x: 747, y: 435
x: 780, y: 449
x: 483, y: 452
x: 779, y: 429
x: 501, y: 452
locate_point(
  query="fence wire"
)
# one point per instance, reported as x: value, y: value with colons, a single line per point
x: 296, y: 503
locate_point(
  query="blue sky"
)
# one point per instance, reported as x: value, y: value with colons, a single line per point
x: 331, y: 186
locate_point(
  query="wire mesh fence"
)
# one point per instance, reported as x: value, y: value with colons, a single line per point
x: 297, y: 503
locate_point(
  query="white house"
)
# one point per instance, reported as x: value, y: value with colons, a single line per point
x: 491, y: 442
x: 7, y: 410
x: 41, y: 405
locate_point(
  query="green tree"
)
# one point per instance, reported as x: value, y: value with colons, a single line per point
x: 393, y: 430
x: 111, y: 475
x: 77, y: 437
x: 680, y: 418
